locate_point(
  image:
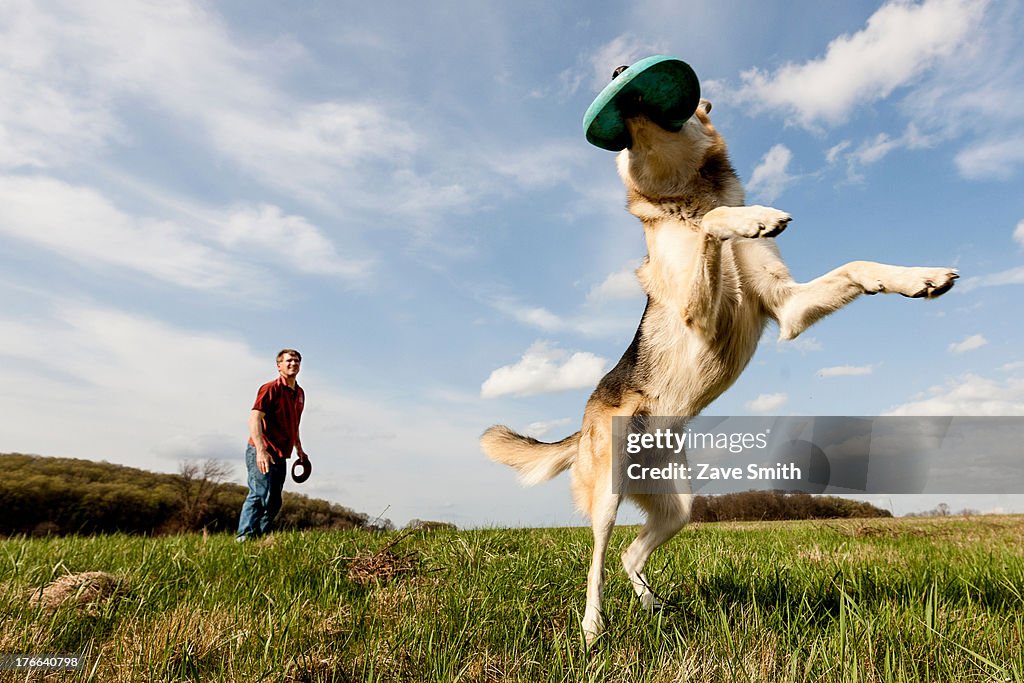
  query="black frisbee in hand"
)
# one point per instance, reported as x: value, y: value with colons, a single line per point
x: 300, y: 470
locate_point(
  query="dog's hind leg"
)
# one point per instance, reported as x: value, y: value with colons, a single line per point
x: 666, y: 515
x: 604, y: 508
x: 801, y: 305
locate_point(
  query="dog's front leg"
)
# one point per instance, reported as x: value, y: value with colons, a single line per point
x: 726, y: 222
x: 806, y: 303
x: 700, y: 305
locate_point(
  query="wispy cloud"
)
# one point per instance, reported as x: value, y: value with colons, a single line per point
x: 209, y: 249
x: 1011, y: 276
x: 968, y: 395
x: 82, y: 225
x: 290, y: 239
x: 846, y: 371
x: 602, y: 313
x: 71, y: 75
x: 544, y: 368
x: 1018, y: 233
x: 771, y: 176
x: 595, y: 68
x: 99, y: 361
x: 875, y: 149
x: 539, y: 429
x: 802, y: 343
x: 539, y: 165
x: 618, y: 286
x: 975, y: 341
x: 766, y: 403
x: 995, y: 160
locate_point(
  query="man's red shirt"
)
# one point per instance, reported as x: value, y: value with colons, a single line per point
x: 281, y: 406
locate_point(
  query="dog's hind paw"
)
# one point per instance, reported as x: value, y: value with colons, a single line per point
x: 727, y: 222
x: 593, y: 625
x: 923, y: 283
x: 649, y: 602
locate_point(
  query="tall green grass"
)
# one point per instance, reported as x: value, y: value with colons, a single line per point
x: 878, y: 600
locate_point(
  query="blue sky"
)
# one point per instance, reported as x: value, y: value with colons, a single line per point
x: 404, y: 193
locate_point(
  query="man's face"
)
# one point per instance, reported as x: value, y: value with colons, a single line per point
x: 288, y: 366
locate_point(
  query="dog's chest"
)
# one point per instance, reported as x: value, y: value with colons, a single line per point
x: 694, y: 350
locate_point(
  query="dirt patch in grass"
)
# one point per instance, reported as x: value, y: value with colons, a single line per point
x: 87, y: 591
x: 383, y: 566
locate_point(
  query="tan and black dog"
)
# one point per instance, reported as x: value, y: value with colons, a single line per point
x: 713, y: 278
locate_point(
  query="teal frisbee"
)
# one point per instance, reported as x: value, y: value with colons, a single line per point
x: 663, y: 88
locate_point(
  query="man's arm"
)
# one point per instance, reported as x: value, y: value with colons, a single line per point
x: 263, y: 457
x: 298, y: 448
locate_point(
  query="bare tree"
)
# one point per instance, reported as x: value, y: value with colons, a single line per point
x: 197, y: 484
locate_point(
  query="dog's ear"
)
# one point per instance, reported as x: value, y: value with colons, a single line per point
x: 705, y: 106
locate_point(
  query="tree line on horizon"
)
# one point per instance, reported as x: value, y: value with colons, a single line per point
x: 43, y: 496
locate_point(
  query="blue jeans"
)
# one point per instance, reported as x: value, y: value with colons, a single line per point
x: 264, y: 499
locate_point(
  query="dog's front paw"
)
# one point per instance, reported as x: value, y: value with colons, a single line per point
x: 937, y: 283
x: 745, y: 221
x: 926, y: 283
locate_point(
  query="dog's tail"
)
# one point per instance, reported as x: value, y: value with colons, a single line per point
x: 535, y: 461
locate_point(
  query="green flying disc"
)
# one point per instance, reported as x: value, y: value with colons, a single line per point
x: 664, y: 89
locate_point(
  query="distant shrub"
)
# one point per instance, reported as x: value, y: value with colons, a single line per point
x: 770, y: 505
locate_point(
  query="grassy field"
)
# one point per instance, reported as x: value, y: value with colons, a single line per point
x: 860, y: 600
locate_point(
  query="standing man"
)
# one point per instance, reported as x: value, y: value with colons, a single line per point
x: 273, y: 433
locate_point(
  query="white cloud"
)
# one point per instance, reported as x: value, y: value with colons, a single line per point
x: 973, y: 342
x: 98, y: 362
x: 200, y: 252
x: 591, y: 320
x: 969, y: 395
x: 69, y: 73
x: 875, y: 149
x: 622, y: 50
x: 618, y: 286
x: 291, y: 239
x: 1012, y: 367
x: 995, y: 160
x: 80, y: 224
x: 846, y: 371
x: 1018, y: 233
x: 900, y: 42
x: 771, y: 177
x: 533, y: 316
x: 1011, y: 276
x: 766, y: 403
x: 545, y: 369
x: 539, y: 429
x: 802, y: 343
x: 539, y: 165
x: 835, y: 152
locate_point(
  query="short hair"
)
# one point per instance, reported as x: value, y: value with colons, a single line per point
x: 282, y: 352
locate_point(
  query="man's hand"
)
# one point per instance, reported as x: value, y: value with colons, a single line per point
x: 263, y: 460
x: 302, y: 455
